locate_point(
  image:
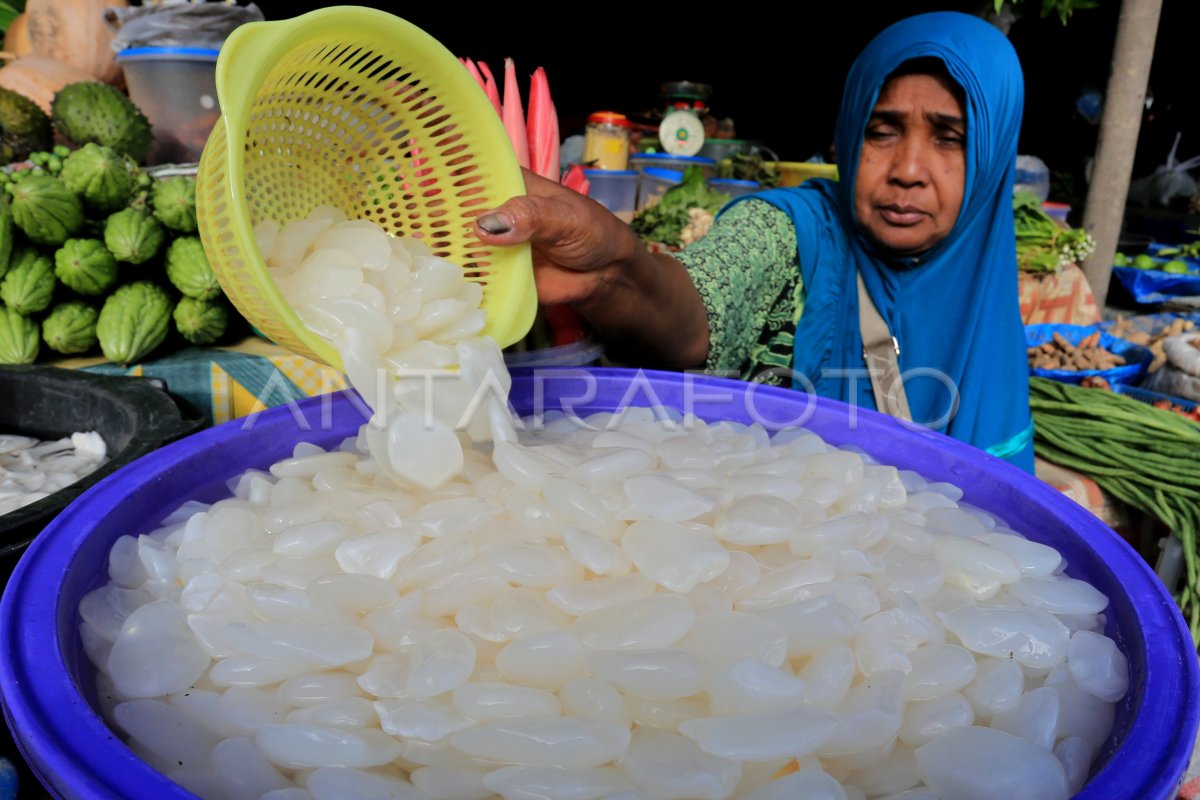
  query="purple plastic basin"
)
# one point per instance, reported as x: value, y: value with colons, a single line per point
x: 46, y: 681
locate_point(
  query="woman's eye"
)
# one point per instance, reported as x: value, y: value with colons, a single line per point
x: 952, y: 140
x: 880, y: 132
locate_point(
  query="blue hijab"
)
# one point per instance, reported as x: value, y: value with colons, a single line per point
x: 954, y: 309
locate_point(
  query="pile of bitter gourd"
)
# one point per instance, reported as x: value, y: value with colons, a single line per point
x: 1144, y: 456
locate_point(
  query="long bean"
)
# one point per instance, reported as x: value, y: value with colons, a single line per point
x: 1143, y: 456
x: 1122, y: 415
x: 1117, y: 459
x: 1081, y: 456
x: 1120, y: 433
x: 1100, y: 403
x: 1187, y: 532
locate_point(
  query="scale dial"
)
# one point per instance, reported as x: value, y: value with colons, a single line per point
x: 681, y: 133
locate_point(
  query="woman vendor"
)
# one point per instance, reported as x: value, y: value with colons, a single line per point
x: 894, y: 288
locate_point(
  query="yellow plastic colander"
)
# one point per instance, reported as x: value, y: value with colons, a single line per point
x: 358, y: 109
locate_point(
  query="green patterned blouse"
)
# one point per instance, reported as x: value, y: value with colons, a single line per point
x: 748, y: 273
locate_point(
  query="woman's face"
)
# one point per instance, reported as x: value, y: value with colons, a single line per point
x: 913, y: 165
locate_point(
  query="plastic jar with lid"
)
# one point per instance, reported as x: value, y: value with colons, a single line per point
x: 606, y: 141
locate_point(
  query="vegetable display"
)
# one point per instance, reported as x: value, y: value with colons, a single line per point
x: 1141, y: 455
x: 1123, y: 329
x: 1042, y: 244
x: 1171, y: 266
x: 81, y: 223
x: 749, y: 167
x: 1058, y: 353
x: 670, y: 220
x: 71, y: 259
x: 1167, y: 405
x: 1189, y: 250
x: 1179, y: 259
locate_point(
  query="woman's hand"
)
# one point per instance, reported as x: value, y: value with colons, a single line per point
x: 645, y: 307
x: 578, y: 245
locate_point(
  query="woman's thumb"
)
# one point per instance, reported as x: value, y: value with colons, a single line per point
x: 516, y: 221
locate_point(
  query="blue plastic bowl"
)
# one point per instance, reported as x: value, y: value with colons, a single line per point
x: 1137, y: 358
x: 46, y: 681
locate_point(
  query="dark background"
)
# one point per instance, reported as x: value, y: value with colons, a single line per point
x: 778, y: 71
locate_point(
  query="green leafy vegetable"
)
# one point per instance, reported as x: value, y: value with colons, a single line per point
x: 1064, y: 8
x: 749, y: 167
x: 666, y: 220
x: 1042, y: 244
x: 1189, y: 250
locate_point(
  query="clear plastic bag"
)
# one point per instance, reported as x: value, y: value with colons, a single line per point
x: 1181, y: 375
x: 1176, y: 383
x: 177, y: 23
x: 1182, y: 354
x: 1169, y: 181
x: 1032, y: 176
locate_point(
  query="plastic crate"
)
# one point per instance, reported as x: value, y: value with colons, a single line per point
x: 1147, y: 396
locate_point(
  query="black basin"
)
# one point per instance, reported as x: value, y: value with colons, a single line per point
x: 133, y: 415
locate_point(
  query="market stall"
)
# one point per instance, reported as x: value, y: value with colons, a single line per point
x: 396, y: 564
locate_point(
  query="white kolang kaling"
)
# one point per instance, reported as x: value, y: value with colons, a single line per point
x: 408, y: 327
x: 31, y: 469
x: 645, y: 606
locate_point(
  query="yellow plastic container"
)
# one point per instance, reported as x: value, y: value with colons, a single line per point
x: 361, y: 110
x: 794, y: 173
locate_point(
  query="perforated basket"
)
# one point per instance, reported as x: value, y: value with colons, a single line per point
x: 357, y: 109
